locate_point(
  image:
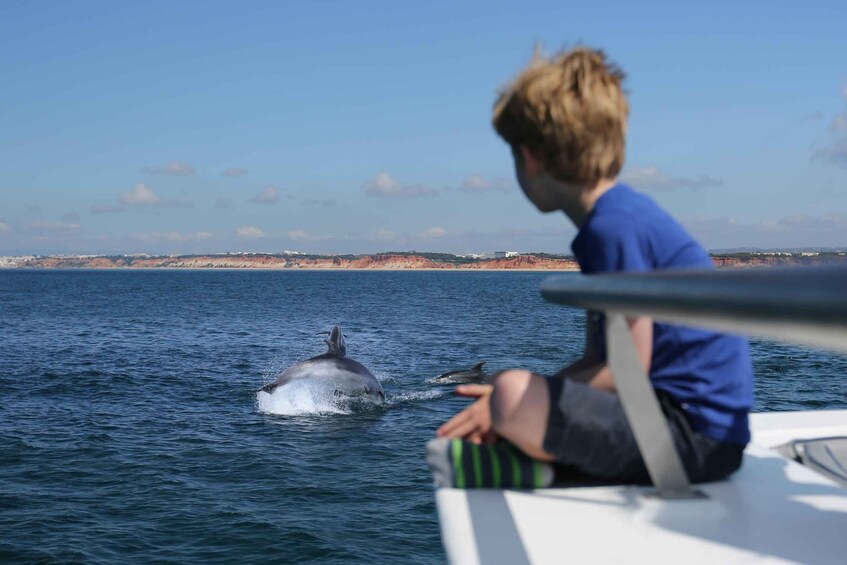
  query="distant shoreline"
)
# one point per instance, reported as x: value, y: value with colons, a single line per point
x: 283, y: 270
x: 399, y: 261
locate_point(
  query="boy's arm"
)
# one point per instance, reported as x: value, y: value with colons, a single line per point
x: 474, y: 422
x: 591, y: 369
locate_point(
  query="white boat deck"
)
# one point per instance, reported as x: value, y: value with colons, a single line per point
x: 775, y: 428
x: 771, y: 511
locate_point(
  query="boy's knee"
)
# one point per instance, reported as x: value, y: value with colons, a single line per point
x: 509, y: 389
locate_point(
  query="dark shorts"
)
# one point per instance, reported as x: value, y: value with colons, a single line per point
x: 588, y: 434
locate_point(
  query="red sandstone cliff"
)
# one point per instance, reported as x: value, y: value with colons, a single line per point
x: 382, y: 261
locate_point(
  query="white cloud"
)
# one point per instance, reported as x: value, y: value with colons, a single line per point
x: 434, y: 232
x: 174, y: 168
x: 249, y: 232
x: 234, y: 172
x: 384, y: 185
x: 174, y: 236
x: 839, y: 122
x: 480, y: 184
x: 107, y: 209
x: 835, y: 154
x: 829, y: 193
x: 300, y: 235
x: 5, y: 228
x: 651, y: 178
x: 140, y: 196
x: 177, y: 204
x: 796, y: 230
x: 268, y: 195
x: 831, y: 222
x: 384, y: 235
x: 328, y: 203
x: 53, y: 228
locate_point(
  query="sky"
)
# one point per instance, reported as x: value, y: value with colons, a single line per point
x: 361, y: 127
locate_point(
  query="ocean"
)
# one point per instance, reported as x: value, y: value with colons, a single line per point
x: 131, y: 429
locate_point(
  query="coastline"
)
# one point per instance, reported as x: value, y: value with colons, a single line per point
x: 378, y: 262
x: 292, y: 269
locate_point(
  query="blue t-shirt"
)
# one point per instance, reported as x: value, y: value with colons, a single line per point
x: 709, y: 373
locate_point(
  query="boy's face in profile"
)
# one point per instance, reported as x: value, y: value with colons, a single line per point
x: 531, y: 179
x: 571, y: 110
x: 520, y: 174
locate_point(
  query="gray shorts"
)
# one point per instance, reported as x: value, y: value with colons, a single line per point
x: 588, y: 434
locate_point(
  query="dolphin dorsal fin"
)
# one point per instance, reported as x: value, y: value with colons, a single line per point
x: 335, y: 342
x: 478, y: 366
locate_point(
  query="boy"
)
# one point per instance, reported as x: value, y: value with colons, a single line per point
x: 565, y: 120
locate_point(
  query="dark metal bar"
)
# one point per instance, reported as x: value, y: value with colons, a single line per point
x: 799, y: 305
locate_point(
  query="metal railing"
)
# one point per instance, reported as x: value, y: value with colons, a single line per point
x: 798, y: 305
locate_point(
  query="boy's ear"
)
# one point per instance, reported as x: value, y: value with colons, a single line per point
x: 531, y: 163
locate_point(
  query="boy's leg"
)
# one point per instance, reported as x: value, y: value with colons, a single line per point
x: 577, y: 426
x: 519, y: 462
x: 566, y: 422
x: 520, y: 409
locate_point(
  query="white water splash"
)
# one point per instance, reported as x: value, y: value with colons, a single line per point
x: 301, y: 397
x: 416, y: 396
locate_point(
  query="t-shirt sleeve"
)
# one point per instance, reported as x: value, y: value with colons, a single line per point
x: 615, y: 245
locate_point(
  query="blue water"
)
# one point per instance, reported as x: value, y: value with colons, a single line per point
x: 130, y: 427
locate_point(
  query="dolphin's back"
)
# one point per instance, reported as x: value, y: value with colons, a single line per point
x: 346, y: 375
x: 474, y: 374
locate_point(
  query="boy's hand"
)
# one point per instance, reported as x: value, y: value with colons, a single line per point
x: 474, y: 422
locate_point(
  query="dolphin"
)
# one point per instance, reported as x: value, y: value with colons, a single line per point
x: 348, y: 377
x: 473, y: 375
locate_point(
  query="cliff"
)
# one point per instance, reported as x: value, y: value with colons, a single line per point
x: 380, y: 261
x: 778, y: 260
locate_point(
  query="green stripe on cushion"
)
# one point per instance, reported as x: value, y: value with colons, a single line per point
x: 516, y: 468
x: 458, y: 469
x: 477, y: 464
x: 538, y: 476
x: 495, y: 466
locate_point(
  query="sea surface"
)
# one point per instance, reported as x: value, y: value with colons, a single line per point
x: 131, y: 429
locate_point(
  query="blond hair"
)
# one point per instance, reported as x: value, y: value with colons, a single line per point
x: 570, y: 111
